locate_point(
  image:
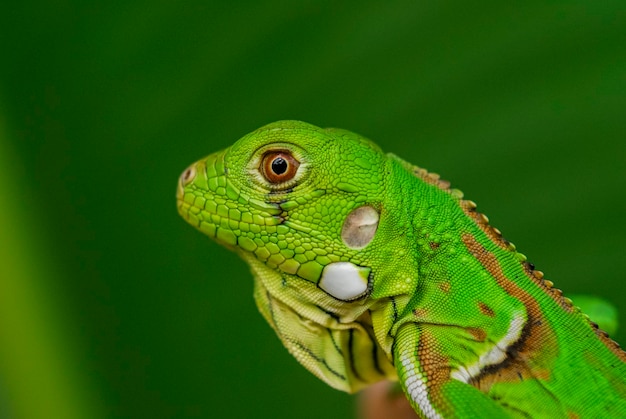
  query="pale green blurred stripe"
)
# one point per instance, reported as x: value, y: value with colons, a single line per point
x: 39, y: 375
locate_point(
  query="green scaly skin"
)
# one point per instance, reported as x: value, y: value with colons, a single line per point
x: 449, y: 308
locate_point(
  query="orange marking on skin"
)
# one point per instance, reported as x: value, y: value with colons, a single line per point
x: 478, y: 334
x: 537, y: 343
x: 469, y: 208
x: 485, y: 309
x: 420, y: 312
x: 444, y: 286
x: 435, y: 365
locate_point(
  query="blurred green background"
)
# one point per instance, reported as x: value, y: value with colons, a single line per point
x: 111, y: 306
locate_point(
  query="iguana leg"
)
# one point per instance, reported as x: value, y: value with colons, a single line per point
x: 424, y: 374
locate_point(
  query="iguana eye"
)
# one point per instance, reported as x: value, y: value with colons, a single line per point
x: 279, y: 166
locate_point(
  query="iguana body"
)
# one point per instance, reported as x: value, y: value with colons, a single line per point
x: 370, y: 268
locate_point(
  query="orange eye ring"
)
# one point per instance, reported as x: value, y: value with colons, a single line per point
x: 279, y: 166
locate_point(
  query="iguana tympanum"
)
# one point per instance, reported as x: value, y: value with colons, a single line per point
x: 371, y: 268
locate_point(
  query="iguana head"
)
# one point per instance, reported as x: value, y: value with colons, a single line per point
x: 303, y: 200
x: 318, y: 215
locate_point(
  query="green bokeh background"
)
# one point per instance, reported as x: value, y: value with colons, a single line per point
x: 111, y: 306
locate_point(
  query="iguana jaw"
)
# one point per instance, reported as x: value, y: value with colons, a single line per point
x: 334, y: 340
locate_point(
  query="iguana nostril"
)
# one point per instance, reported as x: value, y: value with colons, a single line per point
x: 188, y: 175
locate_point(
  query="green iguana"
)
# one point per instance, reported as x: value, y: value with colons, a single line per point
x: 370, y: 268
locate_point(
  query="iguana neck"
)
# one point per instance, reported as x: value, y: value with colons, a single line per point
x: 448, y: 230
